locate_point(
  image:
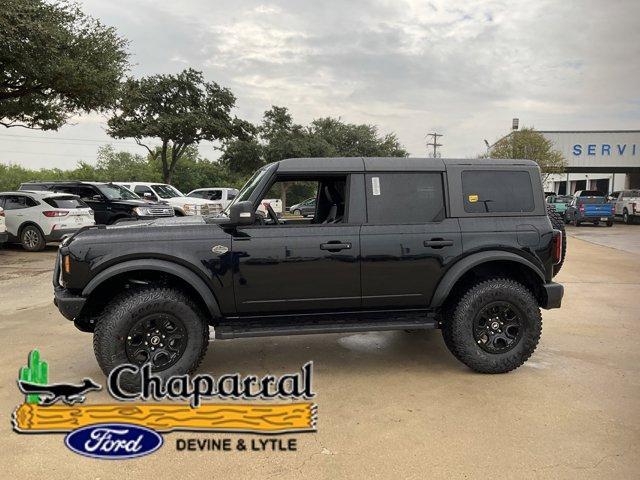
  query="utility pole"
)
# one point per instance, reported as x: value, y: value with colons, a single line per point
x: 434, y: 143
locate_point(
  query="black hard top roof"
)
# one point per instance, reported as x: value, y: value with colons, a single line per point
x: 387, y: 164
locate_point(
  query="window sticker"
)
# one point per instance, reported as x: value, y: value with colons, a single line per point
x: 473, y: 198
x: 375, y: 185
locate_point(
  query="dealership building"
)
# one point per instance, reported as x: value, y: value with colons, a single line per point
x: 605, y: 160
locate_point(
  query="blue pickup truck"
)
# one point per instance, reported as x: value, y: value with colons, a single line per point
x: 589, y: 206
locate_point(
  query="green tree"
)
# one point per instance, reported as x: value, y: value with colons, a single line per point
x: 531, y: 145
x: 279, y: 137
x: 179, y: 110
x: 55, y: 61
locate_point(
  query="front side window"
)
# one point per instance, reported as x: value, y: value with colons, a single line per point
x: 497, y: 191
x: 404, y: 198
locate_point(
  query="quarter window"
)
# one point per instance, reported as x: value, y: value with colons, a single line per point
x: 404, y: 198
x: 497, y: 191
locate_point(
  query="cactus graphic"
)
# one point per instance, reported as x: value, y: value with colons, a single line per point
x: 36, y: 371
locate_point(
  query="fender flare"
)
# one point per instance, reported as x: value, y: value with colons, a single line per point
x: 463, y: 266
x: 165, y: 266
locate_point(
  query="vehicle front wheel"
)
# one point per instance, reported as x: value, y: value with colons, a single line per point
x: 626, y: 218
x: 156, y: 325
x: 32, y: 239
x: 297, y: 212
x: 495, y: 326
x: 575, y: 222
x: 610, y: 223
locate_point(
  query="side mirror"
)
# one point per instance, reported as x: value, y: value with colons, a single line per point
x: 148, y: 195
x: 241, y: 213
x: 97, y: 198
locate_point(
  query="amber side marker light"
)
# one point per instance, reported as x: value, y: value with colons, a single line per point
x: 66, y: 264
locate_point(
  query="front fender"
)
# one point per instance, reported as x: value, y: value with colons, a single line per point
x: 161, y: 266
x: 463, y: 266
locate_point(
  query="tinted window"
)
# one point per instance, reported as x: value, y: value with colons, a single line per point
x: 497, y: 191
x: 86, y: 193
x: 214, y: 194
x: 231, y: 194
x: 66, y: 202
x: 16, y: 202
x: 404, y: 198
x: 197, y: 194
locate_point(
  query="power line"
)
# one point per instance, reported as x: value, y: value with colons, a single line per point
x: 434, y: 143
x: 29, y: 138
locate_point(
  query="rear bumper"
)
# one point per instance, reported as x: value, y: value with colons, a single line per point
x: 56, y: 235
x: 553, y: 295
x: 70, y: 305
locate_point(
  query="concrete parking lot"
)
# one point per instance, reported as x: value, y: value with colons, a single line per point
x: 390, y: 404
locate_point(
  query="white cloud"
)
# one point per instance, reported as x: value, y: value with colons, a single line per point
x: 463, y: 67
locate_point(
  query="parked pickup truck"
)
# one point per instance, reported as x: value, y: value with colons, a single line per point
x: 626, y: 204
x: 465, y: 246
x: 560, y: 203
x: 589, y: 209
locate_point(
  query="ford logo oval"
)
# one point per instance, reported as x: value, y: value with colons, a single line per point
x: 113, y: 441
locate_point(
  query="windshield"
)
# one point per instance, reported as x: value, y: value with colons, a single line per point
x: 249, y: 187
x: 167, y: 191
x: 116, y: 192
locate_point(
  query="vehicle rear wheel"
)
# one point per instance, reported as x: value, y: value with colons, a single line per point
x: 156, y: 325
x: 297, y: 211
x: 494, y: 327
x: 558, y: 223
x: 32, y: 239
x: 575, y: 222
x: 626, y: 218
x: 610, y: 223
x: 596, y: 223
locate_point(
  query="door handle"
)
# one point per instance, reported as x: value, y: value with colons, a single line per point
x: 335, y: 246
x: 438, y: 243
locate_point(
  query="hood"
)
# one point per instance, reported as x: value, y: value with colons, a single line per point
x: 138, y: 203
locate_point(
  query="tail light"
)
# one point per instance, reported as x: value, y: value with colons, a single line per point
x: 55, y: 213
x: 581, y: 208
x: 557, y: 246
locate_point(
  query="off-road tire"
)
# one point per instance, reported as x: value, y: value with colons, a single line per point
x: 558, y: 223
x: 457, y: 328
x: 123, y: 311
x: 32, y: 239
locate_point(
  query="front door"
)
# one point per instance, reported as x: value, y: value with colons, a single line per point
x: 288, y: 264
x: 284, y: 269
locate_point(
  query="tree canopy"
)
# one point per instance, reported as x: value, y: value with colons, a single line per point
x: 178, y: 110
x: 55, y: 62
x: 531, y: 145
x: 279, y: 137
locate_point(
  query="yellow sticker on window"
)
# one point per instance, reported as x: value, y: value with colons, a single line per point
x: 473, y: 198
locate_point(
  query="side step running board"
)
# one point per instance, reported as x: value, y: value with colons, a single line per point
x: 302, y: 325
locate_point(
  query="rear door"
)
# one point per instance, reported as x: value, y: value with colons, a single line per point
x: 407, y: 240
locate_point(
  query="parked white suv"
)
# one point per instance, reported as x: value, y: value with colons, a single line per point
x: 165, y: 193
x: 35, y: 218
x: 626, y: 204
x: 3, y: 227
x: 220, y: 195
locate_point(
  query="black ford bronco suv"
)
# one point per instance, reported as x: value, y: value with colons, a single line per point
x: 395, y: 244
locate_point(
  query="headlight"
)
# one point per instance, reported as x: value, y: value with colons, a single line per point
x: 142, y: 211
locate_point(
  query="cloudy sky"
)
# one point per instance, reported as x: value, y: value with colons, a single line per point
x: 462, y: 68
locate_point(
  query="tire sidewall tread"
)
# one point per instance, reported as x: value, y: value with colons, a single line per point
x: 458, y: 327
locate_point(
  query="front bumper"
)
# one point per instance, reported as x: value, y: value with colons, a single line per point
x: 553, y: 295
x: 56, y: 235
x: 70, y: 305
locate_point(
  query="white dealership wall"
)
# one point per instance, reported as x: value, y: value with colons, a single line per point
x: 596, y: 159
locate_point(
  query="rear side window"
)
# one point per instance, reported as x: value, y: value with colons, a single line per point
x: 404, y: 198
x: 497, y: 191
x: 66, y: 202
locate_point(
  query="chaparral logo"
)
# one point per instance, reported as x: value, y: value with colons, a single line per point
x: 129, y: 428
x: 113, y: 441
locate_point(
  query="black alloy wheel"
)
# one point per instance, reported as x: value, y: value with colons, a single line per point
x: 497, y: 328
x: 157, y: 339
